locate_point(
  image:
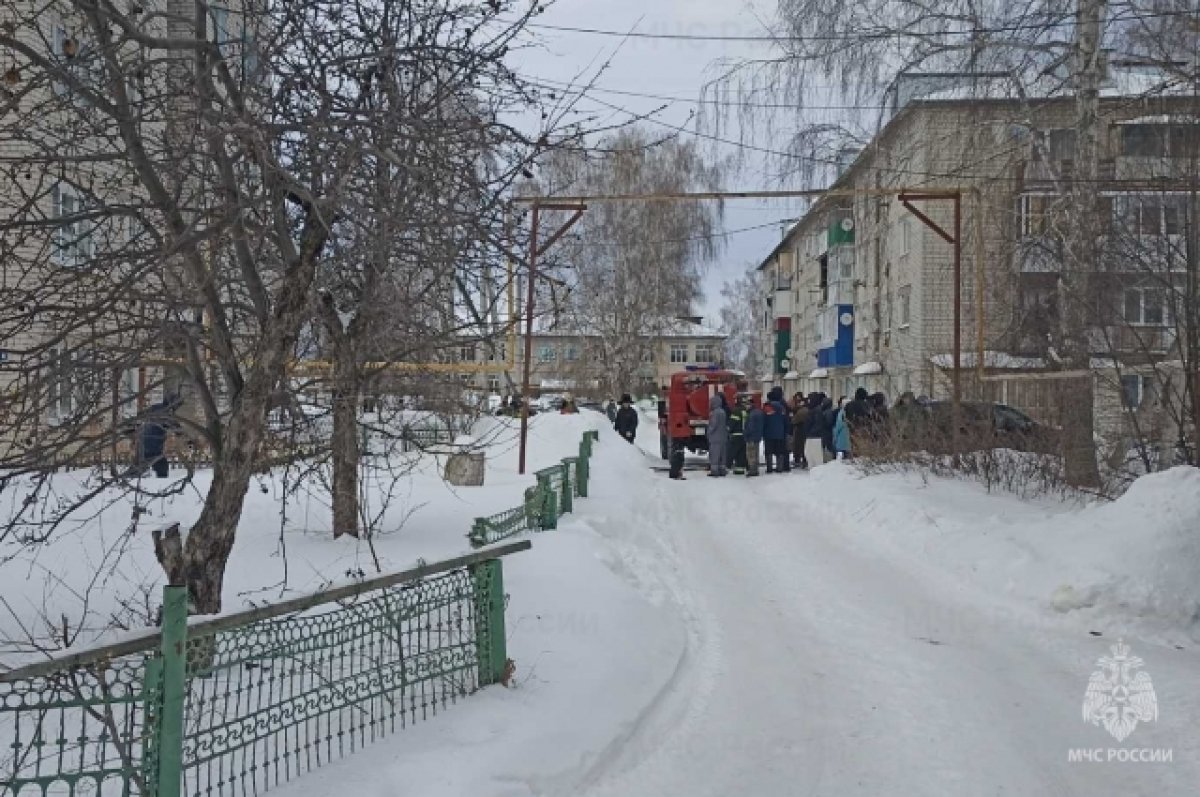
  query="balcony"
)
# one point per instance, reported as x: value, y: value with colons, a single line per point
x: 1133, y: 339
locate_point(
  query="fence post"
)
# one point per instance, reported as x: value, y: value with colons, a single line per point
x: 478, y: 533
x: 173, y: 648
x: 490, y: 638
x: 549, y: 504
x: 581, y: 473
x: 568, y: 492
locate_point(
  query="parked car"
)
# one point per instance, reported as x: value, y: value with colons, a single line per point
x: 996, y: 425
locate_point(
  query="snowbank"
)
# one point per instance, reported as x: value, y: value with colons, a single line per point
x: 98, y: 570
x: 1133, y: 563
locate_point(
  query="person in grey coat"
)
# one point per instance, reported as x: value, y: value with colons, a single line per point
x: 718, y: 435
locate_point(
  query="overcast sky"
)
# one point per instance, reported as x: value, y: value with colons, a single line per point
x: 670, y: 68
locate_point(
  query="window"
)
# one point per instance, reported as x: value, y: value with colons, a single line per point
x: 249, y: 56
x: 466, y: 353
x: 1057, y: 145
x: 1185, y: 141
x: 1143, y: 141
x: 905, y: 299
x: 499, y: 353
x: 1036, y: 217
x: 679, y: 352
x: 493, y: 382
x: 1131, y: 391
x: 705, y: 353
x: 572, y: 354
x: 905, y: 237
x: 547, y: 354
x: 222, y: 32
x: 72, y: 238
x: 1145, y: 306
x: 59, y: 385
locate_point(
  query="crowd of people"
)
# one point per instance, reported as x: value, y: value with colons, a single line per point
x: 805, y: 431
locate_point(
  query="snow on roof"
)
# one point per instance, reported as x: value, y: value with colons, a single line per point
x: 676, y: 329
x: 868, y: 368
x: 1162, y: 119
x: 791, y: 375
x: 819, y: 373
x: 1123, y: 81
x: 1004, y: 360
x: 991, y: 359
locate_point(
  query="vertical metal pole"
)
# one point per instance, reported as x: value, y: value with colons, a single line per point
x: 533, y: 247
x: 568, y: 491
x: 957, y: 403
x: 585, y: 453
x: 174, y: 685
x: 980, y: 318
x: 490, y: 637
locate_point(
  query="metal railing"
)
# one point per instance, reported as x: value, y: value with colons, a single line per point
x: 552, y: 497
x: 238, y: 704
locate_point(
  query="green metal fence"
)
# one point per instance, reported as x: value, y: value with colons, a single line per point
x: 238, y: 704
x: 553, y: 496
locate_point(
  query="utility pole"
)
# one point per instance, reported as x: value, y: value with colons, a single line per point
x: 536, y: 250
x: 1082, y: 250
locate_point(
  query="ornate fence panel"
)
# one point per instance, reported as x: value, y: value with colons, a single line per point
x: 552, y: 496
x: 78, y: 731
x: 238, y: 704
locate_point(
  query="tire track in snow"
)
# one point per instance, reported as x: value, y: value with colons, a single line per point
x: 633, y: 763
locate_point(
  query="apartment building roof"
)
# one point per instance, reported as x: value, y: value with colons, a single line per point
x: 1124, y: 80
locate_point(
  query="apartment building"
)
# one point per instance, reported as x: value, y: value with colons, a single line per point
x: 106, y: 318
x: 571, y: 361
x: 860, y: 292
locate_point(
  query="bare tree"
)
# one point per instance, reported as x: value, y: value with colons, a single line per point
x: 741, y: 320
x: 630, y: 270
x: 174, y: 176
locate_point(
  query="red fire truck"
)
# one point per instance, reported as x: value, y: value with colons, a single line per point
x: 683, y: 413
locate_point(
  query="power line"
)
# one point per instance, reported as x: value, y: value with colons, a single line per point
x: 556, y: 85
x: 815, y: 159
x: 849, y: 36
x: 720, y: 234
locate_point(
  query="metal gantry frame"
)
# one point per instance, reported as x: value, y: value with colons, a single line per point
x: 906, y: 195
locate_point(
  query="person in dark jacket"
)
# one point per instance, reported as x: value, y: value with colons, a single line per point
x: 775, y: 432
x: 718, y: 435
x: 152, y: 437
x: 858, y: 417
x: 610, y: 410
x: 828, y: 418
x: 799, y: 425
x: 737, y: 438
x: 755, y: 421
x: 814, y: 430
x: 627, y: 420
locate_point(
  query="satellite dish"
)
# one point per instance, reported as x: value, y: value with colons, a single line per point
x: 847, y: 224
x: 785, y: 363
x: 788, y: 353
x: 847, y: 319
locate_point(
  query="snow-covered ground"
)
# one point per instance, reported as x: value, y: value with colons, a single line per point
x: 818, y: 633
x: 101, y: 564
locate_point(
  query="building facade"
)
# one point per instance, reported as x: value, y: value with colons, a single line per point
x: 860, y: 292
x: 571, y: 362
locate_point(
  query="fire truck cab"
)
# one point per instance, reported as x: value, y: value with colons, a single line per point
x: 683, y: 413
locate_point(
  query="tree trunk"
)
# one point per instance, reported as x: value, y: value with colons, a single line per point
x: 1075, y: 285
x: 345, y: 446
x: 210, y: 540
